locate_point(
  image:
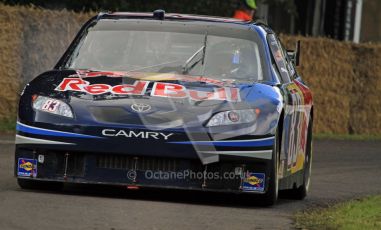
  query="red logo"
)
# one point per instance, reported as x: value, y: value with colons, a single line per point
x: 159, y: 89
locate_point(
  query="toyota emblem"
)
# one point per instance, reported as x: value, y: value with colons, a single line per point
x: 140, y: 108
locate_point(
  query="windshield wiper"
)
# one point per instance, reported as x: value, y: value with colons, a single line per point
x: 186, y: 66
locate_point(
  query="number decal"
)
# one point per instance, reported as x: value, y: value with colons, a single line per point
x: 50, y: 105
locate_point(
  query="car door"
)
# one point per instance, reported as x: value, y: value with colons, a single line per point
x: 297, y: 106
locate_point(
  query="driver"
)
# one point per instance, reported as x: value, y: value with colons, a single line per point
x: 229, y: 61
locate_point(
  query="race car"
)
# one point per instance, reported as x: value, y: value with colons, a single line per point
x: 157, y: 100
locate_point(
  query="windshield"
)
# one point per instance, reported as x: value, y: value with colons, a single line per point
x: 193, y: 54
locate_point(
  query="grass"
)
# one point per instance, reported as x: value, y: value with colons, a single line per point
x: 356, y: 214
x: 7, y: 126
x: 347, y: 137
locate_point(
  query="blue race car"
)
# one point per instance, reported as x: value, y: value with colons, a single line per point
x: 169, y: 101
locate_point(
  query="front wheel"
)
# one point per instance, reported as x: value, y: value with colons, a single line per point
x: 271, y: 196
x: 301, y: 192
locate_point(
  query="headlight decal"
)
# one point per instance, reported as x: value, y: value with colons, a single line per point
x: 51, y: 105
x: 233, y: 117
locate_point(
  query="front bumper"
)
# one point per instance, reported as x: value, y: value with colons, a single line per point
x: 84, y: 158
x: 227, y: 175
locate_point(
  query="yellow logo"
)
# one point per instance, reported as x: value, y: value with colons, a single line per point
x: 253, y: 180
x: 27, y: 166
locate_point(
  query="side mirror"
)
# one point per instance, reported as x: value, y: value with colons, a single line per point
x: 294, y: 55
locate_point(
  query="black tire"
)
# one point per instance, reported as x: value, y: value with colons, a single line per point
x: 301, y: 192
x: 271, y: 196
x: 39, y: 185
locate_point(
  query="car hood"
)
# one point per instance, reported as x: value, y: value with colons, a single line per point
x: 164, y: 100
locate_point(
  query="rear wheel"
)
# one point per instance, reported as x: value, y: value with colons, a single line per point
x: 39, y: 185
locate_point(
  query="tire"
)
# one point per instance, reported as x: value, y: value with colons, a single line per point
x: 301, y: 192
x: 271, y: 196
x: 39, y: 185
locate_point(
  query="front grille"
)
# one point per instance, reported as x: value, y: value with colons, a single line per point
x: 75, y: 164
x: 158, y: 164
x: 138, y: 163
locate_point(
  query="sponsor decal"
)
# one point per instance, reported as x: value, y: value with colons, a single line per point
x: 79, y: 85
x: 27, y: 167
x: 135, y: 134
x: 296, y: 121
x: 254, y: 182
x: 159, y: 89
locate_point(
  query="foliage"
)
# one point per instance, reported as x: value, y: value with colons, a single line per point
x: 7, y: 125
x: 357, y: 214
x: 207, y: 7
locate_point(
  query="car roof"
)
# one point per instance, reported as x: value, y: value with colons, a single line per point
x: 184, y: 17
x: 175, y: 16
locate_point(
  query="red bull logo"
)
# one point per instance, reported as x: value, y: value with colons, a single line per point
x: 160, y: 89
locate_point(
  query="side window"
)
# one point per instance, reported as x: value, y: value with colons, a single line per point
x: 280, y: 58
x: 290, y: 65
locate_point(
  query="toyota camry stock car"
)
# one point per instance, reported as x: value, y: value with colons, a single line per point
x: 169, y: 101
